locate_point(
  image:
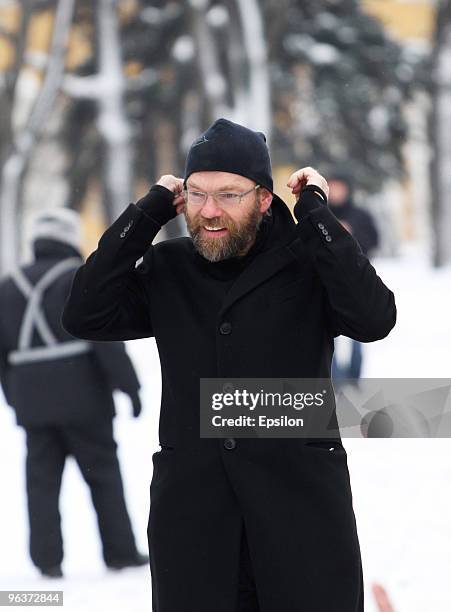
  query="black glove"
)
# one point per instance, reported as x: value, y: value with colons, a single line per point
x: 157, y: 204
x: 136, y: 403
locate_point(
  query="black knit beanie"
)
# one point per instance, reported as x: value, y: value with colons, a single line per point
x: 229, y: 147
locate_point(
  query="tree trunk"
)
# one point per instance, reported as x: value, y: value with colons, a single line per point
x: 15, y: 163
x: 112, y: 120
x: 440, y: 137
x: 258, y: 103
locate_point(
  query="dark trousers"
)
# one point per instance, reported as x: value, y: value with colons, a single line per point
x: 353, y: 368
x: 247, y: 595
x: 94, y: 450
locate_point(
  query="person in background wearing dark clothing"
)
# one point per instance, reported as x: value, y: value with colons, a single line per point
x: 360, y: 224
x: 61, y: 391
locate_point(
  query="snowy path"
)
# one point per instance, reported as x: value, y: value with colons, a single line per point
x: 401, y: 488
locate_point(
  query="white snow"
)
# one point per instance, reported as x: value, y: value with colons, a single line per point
x: 322, y: 54
x: 183, y: 49
x: 218, y: 16
x: 401, y: 488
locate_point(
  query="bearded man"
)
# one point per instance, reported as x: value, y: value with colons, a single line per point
x: 249, y: 524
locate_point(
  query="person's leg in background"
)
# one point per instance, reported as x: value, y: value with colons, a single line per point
x: 339, y: 366
x: 337, y: 370
x: 355, y: 366
x: 45, y: 461
x: 94, y: 450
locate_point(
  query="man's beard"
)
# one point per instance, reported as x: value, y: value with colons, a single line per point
x: 237, y: 241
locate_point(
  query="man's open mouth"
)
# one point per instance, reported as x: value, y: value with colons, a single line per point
x: 217, y: 231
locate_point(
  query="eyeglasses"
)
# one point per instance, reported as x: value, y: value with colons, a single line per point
x: 223, y: 198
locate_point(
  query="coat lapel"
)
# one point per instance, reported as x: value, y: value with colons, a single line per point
x: 276, y: 256
x: 264, y: 266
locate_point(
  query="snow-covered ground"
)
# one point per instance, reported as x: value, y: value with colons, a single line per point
x: 401, y: 488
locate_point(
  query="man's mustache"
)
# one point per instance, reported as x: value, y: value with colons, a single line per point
x: 215, y: 222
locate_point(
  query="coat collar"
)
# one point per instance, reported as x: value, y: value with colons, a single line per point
x: 275, y: 254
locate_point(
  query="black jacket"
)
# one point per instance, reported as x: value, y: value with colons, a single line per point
x: 362, y: 224
x: 64, y: 391
x: 278, y: 318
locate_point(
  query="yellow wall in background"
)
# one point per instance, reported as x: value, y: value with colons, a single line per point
x: 9, y: 21
x: 92, y: 219
x: 403, y: 18
x: 40, y: 31
x: 281, y: 174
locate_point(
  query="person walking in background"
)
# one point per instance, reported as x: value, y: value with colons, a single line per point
x: 360, y: 224
x: 61, y: 391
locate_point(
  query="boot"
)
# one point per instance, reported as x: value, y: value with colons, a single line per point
x: 52, y: 572
x: 137, y: 561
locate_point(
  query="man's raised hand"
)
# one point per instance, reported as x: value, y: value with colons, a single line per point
x: 175, y: 185
x: 307, y: 176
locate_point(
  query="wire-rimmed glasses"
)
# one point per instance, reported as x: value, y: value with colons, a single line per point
x: 223, y: 198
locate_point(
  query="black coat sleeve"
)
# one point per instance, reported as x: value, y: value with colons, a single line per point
x: 110, y: 296
x: 359, y: 305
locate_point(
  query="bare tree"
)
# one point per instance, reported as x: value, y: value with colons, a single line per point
x: 15, y: 161
x: 107, y: 88
x: 237, y: 88
x: 212, y: 80
x: 258, y: 102
x: 440, y: 135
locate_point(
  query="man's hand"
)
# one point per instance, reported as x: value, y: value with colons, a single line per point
x: 175, y: 185
x: 307, y: 176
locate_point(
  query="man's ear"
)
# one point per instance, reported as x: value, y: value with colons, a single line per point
x: 265, y: 198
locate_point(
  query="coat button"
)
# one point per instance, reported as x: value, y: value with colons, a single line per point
x: 329, y: 238
x: 229, y: 443
x: 321, y: 226
x: 225, y: 328
x: 325, y: 232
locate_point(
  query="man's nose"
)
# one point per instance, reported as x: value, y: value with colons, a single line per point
x: 210, y: 209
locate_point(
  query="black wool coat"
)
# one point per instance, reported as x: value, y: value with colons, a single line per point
x: 308, y: 283
x: 67, y: 391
